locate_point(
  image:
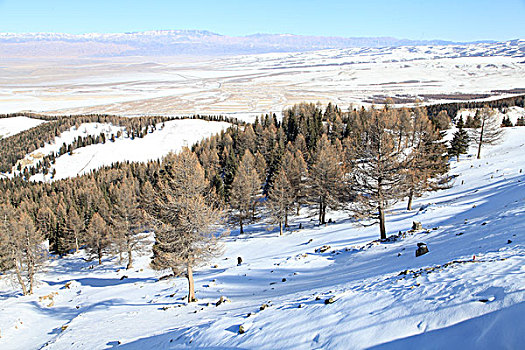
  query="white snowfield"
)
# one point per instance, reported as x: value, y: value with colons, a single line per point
x: 468, y: 292
x: 255, y: 84
x: 15, y: 125
x: 171, y: 138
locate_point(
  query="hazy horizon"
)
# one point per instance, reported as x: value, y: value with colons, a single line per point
x: 448, y: 20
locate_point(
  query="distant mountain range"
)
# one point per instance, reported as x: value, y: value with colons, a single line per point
x: 183, y: 42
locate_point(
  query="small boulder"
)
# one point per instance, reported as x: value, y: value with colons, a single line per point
x: 123, y: 277
x: 241, y: 329
x: 322, y: 249
x: 416, y: 226
x: 222, y: 300
x: 263, y: 306
x: 239, y: 260
x: 330, y: 300
x: 421, y: 249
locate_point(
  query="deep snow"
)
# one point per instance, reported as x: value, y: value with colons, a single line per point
x: 467, y: 292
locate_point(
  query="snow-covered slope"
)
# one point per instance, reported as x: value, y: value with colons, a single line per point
x: 14, y: 125
x: 171, y: 138
x: 467, y: 292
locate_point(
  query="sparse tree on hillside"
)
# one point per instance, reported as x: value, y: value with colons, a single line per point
x: 377, y: 176
x: 489, y: 132
x: 326, y: 177
x: 74, y: 227
x: 128, y: 220
x: 425, y: 156
x: 97, y: 237
x: 21, y: 248
x: 460, y: 141
x: 246, y: 189
x: 186, y: 218
x: 280, y: 199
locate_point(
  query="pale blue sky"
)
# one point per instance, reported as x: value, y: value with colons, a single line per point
x: 459, y: 20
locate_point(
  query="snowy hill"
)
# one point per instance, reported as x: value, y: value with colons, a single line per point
x: 467, y: 292
x: 14, y: 125
x: 171, y: 137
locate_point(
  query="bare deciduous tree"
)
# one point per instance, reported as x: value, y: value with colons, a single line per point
x: 21, y: 248
x: 377, y: 176
x: 97, y: 237
x: 280, y: 199
x: 246, y: 189
x: 490, y: 131
x: 326, y: 176
x: 185, y: 214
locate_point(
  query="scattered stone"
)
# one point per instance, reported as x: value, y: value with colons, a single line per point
x: 249, y: 314
x: 318, y: 298
x: 483, y: 224
x: 123, y: 277
x: 509, y: 241
x: 416, y: 226
x: 68, y: 285
x: 263, y: 306
x: 421, y: 249
x: 239, y: 260
x: 459, y: 234
x: 322, y: 249
x: 215, y: 266
x: 241, y: 329
x: 222, y: 300
x: 330, y: 300
x: 398, y: 255
x: 300, y: 306
x: 63, y: 328
x: 166, y: 277
x: 310, y: 240
x: 283, y: 280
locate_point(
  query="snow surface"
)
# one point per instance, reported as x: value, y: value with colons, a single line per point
x: 260, y: 83
x: 14, y: 125
x: 171, y: 138
x: 468, y: 292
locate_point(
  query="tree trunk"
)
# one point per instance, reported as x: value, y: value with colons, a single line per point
x: 99, y: 253
x: 191, y: 285
x: 298, y: 208
x: 19, y: 277
x: 322, y: 219
x: 76, y: 244
x: 280, y: 228
x: 240, y: 222
x: 481, y: 138
x: 130, y: 259
x: 410, y: 196
x: 31, y: 275
x: 320, y: 211
x: 286, y: 218
x: 382, y: 227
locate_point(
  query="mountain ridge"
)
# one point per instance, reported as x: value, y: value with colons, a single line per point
x: 190, y: 42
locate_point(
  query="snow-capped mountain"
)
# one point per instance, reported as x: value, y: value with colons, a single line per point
x: 183, y: 42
